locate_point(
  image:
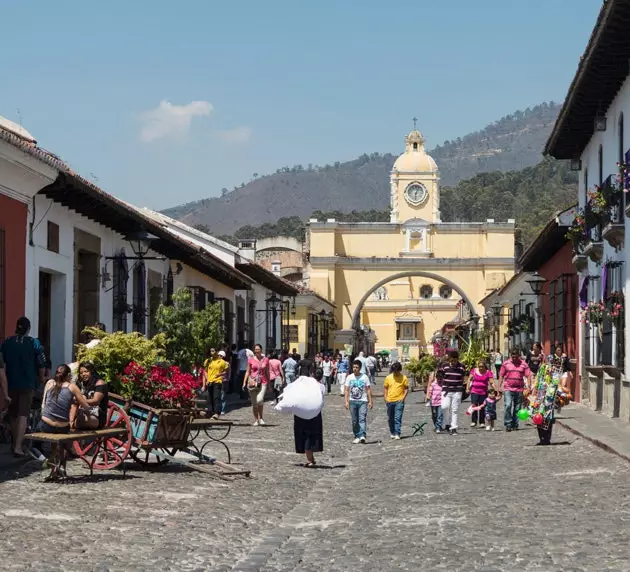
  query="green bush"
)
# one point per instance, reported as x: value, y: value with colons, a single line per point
x: 188, y: 334
x: 115, y: 351
x: 422, y: 368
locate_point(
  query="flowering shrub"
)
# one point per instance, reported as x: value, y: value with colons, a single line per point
x: 597, y: 199
x: 623, y: 178
x: 577, y: 232
x: 162, y: 387
x: 615, y: 305
x: 593, y: 313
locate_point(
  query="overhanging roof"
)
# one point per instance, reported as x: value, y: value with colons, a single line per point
x: 83, y: 197
x: 267, y: 279
x: 549, y: 241
x: 602, y: 70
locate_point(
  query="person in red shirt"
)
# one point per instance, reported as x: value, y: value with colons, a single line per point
x: 512, y: 378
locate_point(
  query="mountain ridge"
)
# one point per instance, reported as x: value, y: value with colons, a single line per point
x: 511, y: 143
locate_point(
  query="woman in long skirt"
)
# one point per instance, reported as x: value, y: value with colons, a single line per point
x: 309, y: 433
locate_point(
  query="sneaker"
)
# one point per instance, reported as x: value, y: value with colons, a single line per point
x: 356, y: 441
x: 261, y: 422
x: 447, y: 427
x: 488, y: 427
x: 494, y: 428
x: 392, y: 436
x: 255, y: 424
x: 438, y: 430
x: 508, y: 429
x: 215, y: 417
x: 453, y: 431
x: 397, y: 437
x: 362, y: 440
x: 473, y: 425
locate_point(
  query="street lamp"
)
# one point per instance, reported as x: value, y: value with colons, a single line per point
x: 275, y: 305
x: 140, y: 242
x: 496, y: 309
x: 536, y: 283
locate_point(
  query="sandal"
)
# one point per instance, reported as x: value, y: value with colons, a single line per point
x: 310, y: 465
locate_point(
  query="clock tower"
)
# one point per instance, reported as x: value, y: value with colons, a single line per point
x: 414, y: 182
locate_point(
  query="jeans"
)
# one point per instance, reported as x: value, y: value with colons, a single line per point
x: 225, y: 389
x: 289, y: 377
x: 450, y: 406
x: 394, y: 416
x: 478, y: 416
x: 358, y: 410
x: 214, y: 398
x: 513, y: 401
x: 371, y: 374
x: 436, y: 414
x: 328, y: 382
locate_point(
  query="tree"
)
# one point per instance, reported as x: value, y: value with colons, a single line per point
x: 188, y: 334
x: 202, y: 227
x: 224, y: 192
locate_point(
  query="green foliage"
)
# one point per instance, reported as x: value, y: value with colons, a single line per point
x: 422, y: 368
x: 188, y: 334
x: 116, y: 350
x: 472, y: 351
x: 372, y: 215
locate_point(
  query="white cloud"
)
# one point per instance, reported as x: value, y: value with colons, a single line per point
x: 168, y: 120
x: 236, y: 135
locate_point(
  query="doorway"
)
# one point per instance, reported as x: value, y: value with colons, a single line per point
x: 86, y: 282
x: 45, y: 306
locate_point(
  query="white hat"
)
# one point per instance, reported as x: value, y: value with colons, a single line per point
x: 222, y: 353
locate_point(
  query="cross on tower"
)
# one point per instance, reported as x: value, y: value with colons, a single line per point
x: 415, y: 120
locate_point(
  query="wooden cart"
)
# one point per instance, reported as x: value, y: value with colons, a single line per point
x: 159, y: 434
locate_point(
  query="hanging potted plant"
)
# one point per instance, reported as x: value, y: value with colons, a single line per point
x: 615, y: 306
x: 577, y: 233
x: 593, y: 313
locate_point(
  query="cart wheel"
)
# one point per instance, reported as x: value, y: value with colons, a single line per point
x: 143, y: 456
x: 114, y: 449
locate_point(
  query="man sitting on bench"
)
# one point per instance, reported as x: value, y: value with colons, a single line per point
x: 59, y: 395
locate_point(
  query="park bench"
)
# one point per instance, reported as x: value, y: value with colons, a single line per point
x: 97, y: 446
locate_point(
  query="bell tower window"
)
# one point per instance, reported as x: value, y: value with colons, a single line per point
x: 415, y: 146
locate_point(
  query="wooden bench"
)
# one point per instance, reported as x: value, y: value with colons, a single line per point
x: 97, y: 437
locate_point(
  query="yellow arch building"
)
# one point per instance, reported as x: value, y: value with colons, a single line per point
x: 399, y: 282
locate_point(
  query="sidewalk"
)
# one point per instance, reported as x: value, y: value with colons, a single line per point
x: 613, y: 435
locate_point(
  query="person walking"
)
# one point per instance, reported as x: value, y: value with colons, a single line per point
x: 434, y: 400
x: 276, y: 375
x: 343, y: 366
x: 225, y: 385
x: 358, y: 398
x: 25, y: 366
x: 289, y: 367
x: 370, y: 364
x: 512, y: 376
x: 244, y: 354
x: 256, y: 381
x: 498, y: 362
x: 309, y: 433
x: 214, y: 369
x: 4, y: 387
x: 361, y: 357
x: 453, y: 374
x: 327, y: 369
x: 395, y: 389
x: 478, y: 382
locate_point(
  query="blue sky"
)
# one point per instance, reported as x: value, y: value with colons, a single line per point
x: 166, y: 102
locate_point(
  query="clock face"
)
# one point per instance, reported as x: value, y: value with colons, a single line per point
x: 416, y: 194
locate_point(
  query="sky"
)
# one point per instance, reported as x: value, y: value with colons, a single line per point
x: 164, y: 102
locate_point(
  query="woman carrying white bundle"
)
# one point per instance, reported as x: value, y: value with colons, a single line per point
x: 309, y: 433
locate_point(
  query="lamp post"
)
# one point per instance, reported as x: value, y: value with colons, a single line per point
x: 140, y: 242
x: 275, y: 305
x: 536, y: 283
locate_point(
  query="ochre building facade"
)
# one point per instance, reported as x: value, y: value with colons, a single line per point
x: 399, y: 282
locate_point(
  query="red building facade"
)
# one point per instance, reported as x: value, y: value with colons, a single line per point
x: 558, y: 307
x: 13, y: 224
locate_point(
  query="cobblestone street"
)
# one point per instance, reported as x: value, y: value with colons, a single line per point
x: 476, y: 501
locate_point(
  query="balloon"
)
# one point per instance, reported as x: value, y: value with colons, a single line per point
x: 523, y: 414
x: 537, y: 419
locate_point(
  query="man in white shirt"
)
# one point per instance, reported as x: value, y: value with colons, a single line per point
x: 370, y: 363
x: 327, y: 367
x: 358, y: 398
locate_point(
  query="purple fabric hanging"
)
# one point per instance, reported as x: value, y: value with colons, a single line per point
x: 584, y: 292
x: 604, y: 282
x: 626, y: 181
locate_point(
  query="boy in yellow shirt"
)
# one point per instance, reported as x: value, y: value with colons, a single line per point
x: 396, y: 388
x: 212, y: 380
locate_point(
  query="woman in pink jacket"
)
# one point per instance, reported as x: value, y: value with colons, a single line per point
x: 434, y: 398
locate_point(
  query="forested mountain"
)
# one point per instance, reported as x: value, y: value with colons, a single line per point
x: 531, y: 196
x: 512, y: 143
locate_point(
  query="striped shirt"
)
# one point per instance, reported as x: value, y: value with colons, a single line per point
x: 453, y: 377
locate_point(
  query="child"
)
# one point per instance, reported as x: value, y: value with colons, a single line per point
x: 490, y: 403
x: 434, y: 397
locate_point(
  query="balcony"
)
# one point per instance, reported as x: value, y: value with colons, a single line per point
x: 613, y: 223
x: 580, y: 262
x: 594, y: 248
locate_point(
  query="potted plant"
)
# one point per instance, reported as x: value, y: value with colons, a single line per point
x: 615, y: 306
x: 593, y: 313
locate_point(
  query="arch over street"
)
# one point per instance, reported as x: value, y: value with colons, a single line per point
x: 356, y: 315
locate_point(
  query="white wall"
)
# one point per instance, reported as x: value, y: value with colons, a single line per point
x: 61, y: 266
x: 609, y: 140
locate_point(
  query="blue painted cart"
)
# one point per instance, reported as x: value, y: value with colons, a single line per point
x: 159, y: 434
